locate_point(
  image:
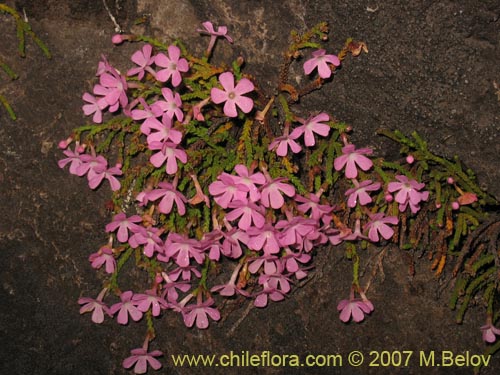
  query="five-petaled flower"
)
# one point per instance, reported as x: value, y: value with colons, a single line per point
x: 408, y: 193
x: 141, y: 358
x: 312, y: 125
x: 174, y: 65
x: 352, y: 158
x: 321, y: 60
x: 233, y: 95
x: 214, y: 34
x: 378, y: 224
x: 144, y: 59
x: 200, y: 312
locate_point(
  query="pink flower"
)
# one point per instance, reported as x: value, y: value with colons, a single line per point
x: 173, y: 64
x: 125, y: 308
x: 249, y: 180
x: 230, y: 289
x: 141, y: 358
x: 265, y: 238
x: 108, y: 174
x: 378, y: 225
x: 311, y: 126
x: 233, y: 95
x: 359, y: 192
x: 248, y: 212
x: 149, y: 239
x: 271, y: 193
x: 94, y: 106
x: 352, y: 158
x: 490, y: 332
x: 268, y: 291
x: 182, y: 249
x: 169, y: 195
x: 150, y: 300
x: 144, y: 60
x: 294, y: 231
x: 226, y: 189
x: 408, y: 192
x: 200, y: 313
x: 168, y: 152
x: 103, y: 256
x: 355, y: 308
x: 73, y: 159
x: 97, y: 307
x: 173, y: 104
x: 281, y: 144
x: 312, y: 203
x: 233, y: 238
x: 214, y: 34
x: 161, y: 131
x: 146, y: 113
x: 123, y: 224
x: 171, y: 286
x: 114, y: 88
x: 320, y: 60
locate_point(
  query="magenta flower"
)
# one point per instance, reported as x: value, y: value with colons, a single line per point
x: 281, y: 144
x: 94, y: 106
x: 378, y: 225
x: 311, y: 126
x: 352, y: 158
x: 174, y: 65
x: 200, y: 313
x: 214, y: 34
x: 408, y: 192
x: 123, y: 225
x: 233, y: 238
x: 91, y: 165
x: 169, y: 195
x: 103, y: 256
x: 233, y: 95
x: 97, y: 307
x: 359, y: 192
x: 148, y: 112
x: 293, y: 231
x: 490, y: 332
x: 172, y: 104
x: 168, y: 152
x: 320, y: 60
x: 144, y: 59
x: 268, y: 292
x: 141, y: 359
x: 171, y: 286
x: 126, y: 307
x: 182, y: 249
x: 248, y: 212
x: 271, y: 193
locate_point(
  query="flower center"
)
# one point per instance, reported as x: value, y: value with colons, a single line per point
x: 231, y: 95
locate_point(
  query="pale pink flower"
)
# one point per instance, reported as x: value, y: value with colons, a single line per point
x: 149, y: 238
x: 233, y: 95
x: 123, y: 225
x: 108, y: 174
x: 294, y: 231
x: 144, y: 59
x: 268, y: 292
x: 349, y: 235
x: 378, y: 225
x: 311, y: 126
x: 200, y: 312
x: 149, y: 300
x: 353, y: 158
x: 127, y: 306
x: 233, y: 238
x: 281, y: 144
x: 312, y: 203
x: 141, y: 358
x: 170, y: 287
x: 355, y: 308
x: 321, y: 60
x: 265, y: 238
x: 174, y: 65
x: 73, y: 159
x: 148, y: 112
x: 359, y: 192
x: 167, y: 151
x: 114, y: 89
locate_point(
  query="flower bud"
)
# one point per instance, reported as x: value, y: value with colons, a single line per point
x: 455, y: 205
x: 410, y: 159
x: 117, y: 39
